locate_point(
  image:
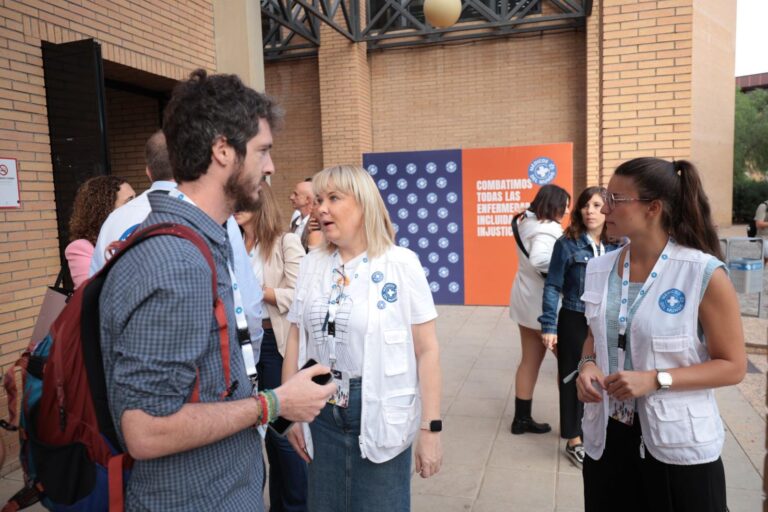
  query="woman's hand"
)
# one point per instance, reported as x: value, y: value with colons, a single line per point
x: 630, y: 384
x: 549, y: 340
x: 429, y: 454
x: 588, y: 382
x: 295, y: 436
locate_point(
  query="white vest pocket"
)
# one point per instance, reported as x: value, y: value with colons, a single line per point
x: 685, y: 422
x: 671, y: 351
x: 398, y: 411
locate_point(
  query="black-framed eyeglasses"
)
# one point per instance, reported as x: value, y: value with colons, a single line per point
x: 610, y: 199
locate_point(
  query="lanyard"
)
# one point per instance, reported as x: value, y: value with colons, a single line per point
x: 243, y: 336
x: 339, y: 280
x: 624, y: 306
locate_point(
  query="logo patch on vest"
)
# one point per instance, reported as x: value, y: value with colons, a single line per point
x: 389, y: 292
x: 672, y: 301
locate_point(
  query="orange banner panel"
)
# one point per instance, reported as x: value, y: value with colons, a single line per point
x: 496, y: 184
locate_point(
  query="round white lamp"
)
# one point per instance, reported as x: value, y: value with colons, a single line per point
x: 442, y: 13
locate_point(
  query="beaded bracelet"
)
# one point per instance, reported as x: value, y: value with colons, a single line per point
x: 584, y: 360
x: 269, y: 405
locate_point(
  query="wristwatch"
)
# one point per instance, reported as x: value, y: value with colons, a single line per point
x: 432, y: 426
x: 663, y: 379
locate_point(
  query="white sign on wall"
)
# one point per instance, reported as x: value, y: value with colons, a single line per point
x: 9, y: 183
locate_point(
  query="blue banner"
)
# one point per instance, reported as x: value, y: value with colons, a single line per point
x: 423, y: 193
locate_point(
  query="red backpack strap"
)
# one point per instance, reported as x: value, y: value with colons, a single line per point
x: 115, y: 468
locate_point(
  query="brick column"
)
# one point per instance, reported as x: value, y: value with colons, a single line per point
x: 660, y: 83
x: 345, y: 98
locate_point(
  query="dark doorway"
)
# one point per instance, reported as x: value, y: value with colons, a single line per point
x: 74, y: 85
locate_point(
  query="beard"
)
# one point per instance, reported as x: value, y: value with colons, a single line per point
x: 241, y: 191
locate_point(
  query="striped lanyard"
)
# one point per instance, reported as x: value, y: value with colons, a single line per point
x: 624, y: 306
x: 243, y: 335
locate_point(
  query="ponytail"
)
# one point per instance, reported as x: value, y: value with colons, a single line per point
x: 686, y: 214
x: 693, y: 226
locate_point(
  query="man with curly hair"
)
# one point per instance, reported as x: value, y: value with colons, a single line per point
x: 158, y: 331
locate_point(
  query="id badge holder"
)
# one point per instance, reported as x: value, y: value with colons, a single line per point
x: 624, y: 411
x: 341, y: 397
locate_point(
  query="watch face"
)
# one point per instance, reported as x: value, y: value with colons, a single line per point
x: 436, y: 426
x: 665, y: 379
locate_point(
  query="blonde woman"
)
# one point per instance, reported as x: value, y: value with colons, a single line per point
x: 275, y: 258
x: 363, y: 307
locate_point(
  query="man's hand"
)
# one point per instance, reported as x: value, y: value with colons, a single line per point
x: 300, y: 398
x: 588, y: 382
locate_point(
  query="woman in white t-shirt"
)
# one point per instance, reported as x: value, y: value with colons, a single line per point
x: 364, y: 308
x: 539, y: 228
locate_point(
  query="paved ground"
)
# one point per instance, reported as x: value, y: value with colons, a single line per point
x: 487, y: 469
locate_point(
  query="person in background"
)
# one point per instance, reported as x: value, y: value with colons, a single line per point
x: 301, y: 199
x: 538, y: 228
x: 124, y: 220
x: 761, y: 223
x: 95, y: 200
x: 565, y: 332
x: 312, y: 237
x: 363, y: 307
x: 275, y: 257
x: 664, y: 332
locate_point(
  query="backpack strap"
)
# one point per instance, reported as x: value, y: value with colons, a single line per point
x: 115, y: 468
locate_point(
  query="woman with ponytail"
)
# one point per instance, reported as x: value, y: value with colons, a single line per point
x: 664, y: 331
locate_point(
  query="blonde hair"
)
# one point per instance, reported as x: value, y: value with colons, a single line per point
x: 353, y: 180
x: 266, y: 224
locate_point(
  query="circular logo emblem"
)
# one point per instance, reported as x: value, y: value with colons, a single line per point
x: 410, y: 168
x: 431, y: 167
x: 672, y: 301
x: 434, y: 287
x: 391, y: 169
x: 450, y: 167
x: 377, y: 277
x: 381, y: 304
x: 372, y: 170
x: 389, y: 292
x: 542, y: 170
x: 4, y: 170
x: 404, y: 242
x: 383, y: 184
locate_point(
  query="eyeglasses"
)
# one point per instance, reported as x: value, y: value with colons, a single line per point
x: 610, y: 199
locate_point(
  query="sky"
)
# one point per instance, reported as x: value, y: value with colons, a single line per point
x: 751, y: 37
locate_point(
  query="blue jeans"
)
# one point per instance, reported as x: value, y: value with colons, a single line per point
x: 287, y: 472
x: 340, y: 480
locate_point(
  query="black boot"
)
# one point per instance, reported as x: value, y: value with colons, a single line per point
x: 523, y: 422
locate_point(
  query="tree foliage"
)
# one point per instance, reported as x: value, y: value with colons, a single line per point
x: 750, y: 153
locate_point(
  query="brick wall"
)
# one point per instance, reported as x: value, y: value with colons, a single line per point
x: 298, y: 149
x: 646, y: 80
x: 167, y: 38
x: 503, y: 92
x: 131, y: 119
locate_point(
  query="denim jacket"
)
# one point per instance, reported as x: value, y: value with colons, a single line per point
x: 566, y: 276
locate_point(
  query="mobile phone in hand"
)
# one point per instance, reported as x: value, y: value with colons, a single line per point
x: 281, y: 425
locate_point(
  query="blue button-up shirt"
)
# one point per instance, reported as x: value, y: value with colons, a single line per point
x: 566, y: 276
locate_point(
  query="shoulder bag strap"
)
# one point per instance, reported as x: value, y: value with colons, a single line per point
x: 517, y: 233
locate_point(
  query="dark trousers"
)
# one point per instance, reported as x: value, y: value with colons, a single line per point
x: 622, y: 480
x: 287, y: 472
x: 571, y: 333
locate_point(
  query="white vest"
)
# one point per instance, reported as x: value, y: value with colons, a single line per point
x: 391, y: 400
x: 679, y: 427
